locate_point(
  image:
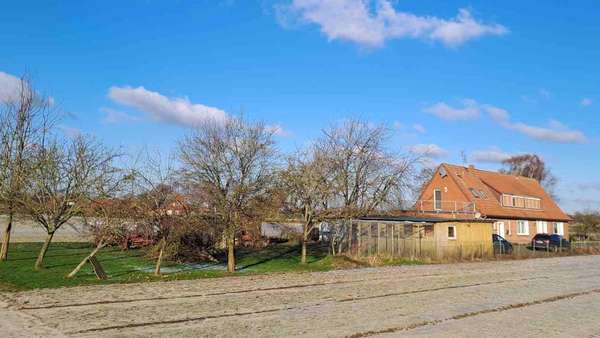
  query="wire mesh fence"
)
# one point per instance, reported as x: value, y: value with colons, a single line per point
x: 395, y: 241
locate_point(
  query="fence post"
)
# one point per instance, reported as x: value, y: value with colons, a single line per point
x: 369, y: 239
x: 358, y: 238
x: 393, y: 245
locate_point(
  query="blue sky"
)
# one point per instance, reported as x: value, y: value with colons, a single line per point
x: 487, y: 78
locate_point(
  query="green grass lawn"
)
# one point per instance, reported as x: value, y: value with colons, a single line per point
x: 134, y: 266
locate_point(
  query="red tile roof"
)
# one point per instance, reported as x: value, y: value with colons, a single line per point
x: 494, y: 184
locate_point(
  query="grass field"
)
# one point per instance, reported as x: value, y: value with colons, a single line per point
x: 134, y: 266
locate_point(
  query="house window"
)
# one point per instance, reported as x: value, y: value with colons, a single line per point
x: 451, y: 232
x: 560, y: 228
x: 542, y: 227
x: 521, y: 202
x: 408, y: 230
x: 522, y: 228
x: 437, y: 199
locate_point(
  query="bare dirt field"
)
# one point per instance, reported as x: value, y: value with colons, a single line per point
x: 538, y: 297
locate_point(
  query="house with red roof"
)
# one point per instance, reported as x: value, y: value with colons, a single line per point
x: 519, y: 206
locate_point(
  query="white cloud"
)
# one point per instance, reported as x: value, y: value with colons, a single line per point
x: 165, y: 109
x: 370, y: 23
x: 541, y: 94
x: 428, y: 150
x: 419, y: 128
x: 544, y: 93
x: 70, y: 132
x: 470, y: 110
x: 112, y: 116
x: 9, y: 87
x: 497, y: 114
x: 554, y: 132
x: 586, y: 102
x: 491, y: 155
x: 278, y: 130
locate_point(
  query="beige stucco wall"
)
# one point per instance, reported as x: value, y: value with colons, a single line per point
x: 25, y: 230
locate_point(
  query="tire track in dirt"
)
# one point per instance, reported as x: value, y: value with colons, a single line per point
x: 224, y: 293
x: 476, y: 313
x: 343, y: 300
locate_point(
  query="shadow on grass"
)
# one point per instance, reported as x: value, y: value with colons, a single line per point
x: 286, y: 253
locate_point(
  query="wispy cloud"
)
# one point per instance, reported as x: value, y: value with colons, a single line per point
x: 70, y: 132
x: 470, y: 110
x: 586, y: 102
x: 490, y: 155
x: 428, y: 150
x: 554, y: 132
x: 278, y: 130
x: 419, y: 128
x: 176, y: 110
x: 369, y: 23
x: 113, y: 116
x: 594, y: 186
x: 541, y: 94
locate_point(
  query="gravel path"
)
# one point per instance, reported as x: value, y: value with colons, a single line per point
x: 541, y: 297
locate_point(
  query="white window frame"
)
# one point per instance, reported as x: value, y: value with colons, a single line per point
x: 541, y: 227
x: 526, y: 225
x: 435, y: 201
x: 514, y: 205
x: 454, y: 231
x: 560, y: 228
x: 498, y: 228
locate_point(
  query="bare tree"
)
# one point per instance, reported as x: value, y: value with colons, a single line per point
x: 532, y: 166
x: 307, y: 184
x: 422, y: 178
x: 586, y: 224
x: 366, y: 177
x: 64, y: 177
x: 25, y: 119
x: 232, y: 161
x: 158, y: 202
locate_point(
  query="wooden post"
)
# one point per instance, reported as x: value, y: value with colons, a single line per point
x: 78, y: 267
x: 369, y: 239
x: 393, y: 226
x: 378, y: 237
x: 163, y: 242
x: 358, y: 238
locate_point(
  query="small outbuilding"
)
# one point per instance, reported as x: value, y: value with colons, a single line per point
x: 414, y: 236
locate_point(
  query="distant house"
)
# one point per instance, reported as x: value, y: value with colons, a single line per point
x: 518, y: 205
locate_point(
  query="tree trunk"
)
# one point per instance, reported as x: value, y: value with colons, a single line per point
x: 40, y: 259
x: 303, y: 256
x: 76, y: 270
x: 231, y: 253
x: 6, y: 238
x: 160, y: 255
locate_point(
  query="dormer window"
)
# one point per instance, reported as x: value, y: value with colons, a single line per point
x: 524, y: 202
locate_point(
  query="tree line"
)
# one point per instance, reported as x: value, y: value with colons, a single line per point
x: 223, y: 178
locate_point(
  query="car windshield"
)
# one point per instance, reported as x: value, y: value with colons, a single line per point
x: 541, y: 236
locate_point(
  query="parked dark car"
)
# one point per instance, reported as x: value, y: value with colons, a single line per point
x: 501, y: 245
x: 552, y: 242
